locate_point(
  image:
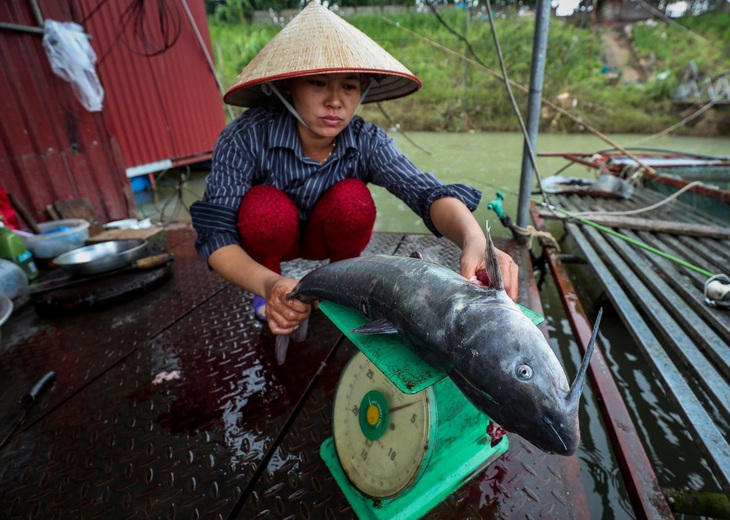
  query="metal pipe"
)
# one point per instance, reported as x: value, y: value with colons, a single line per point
x: 211, y: 65
x: 21, y: 28
x: 36, y: 12
x: 537, y: 73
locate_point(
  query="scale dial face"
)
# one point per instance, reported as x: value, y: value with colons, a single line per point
x: 383, y: 437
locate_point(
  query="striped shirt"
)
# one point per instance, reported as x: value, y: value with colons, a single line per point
x: 262, y: 147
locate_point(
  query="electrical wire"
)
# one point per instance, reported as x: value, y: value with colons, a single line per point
x: 398, y: 129
x: 145, y: 27
x: 475, y: 61
x: 506, y: 81
x: 151, y: 39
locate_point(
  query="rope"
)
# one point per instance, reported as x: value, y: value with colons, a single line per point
x: 683, y: 122
x: 656, y: 12
x: 522, y: 88
x: 396, y: 128
x: 208, y: 59
x: 530, y: 232
x: 640, y: 210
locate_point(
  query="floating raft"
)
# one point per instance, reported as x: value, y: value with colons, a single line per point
x: 231, y: 434
x: 661, y: 303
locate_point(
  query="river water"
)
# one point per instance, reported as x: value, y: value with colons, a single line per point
x: 492, y: 162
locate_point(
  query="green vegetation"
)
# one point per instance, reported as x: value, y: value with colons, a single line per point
x: 459, y: 96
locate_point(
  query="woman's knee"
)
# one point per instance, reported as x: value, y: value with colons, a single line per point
x: 349, y: 205
x: 342, y: 223
x: 268, y: 220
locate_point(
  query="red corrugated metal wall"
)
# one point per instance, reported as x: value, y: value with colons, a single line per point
x: 51, y: 148
x: 156, y: 107
x: 164, y: 106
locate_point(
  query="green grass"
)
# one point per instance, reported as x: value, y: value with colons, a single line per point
x: 459, y: 97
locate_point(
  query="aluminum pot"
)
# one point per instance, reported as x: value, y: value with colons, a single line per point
x: 101, y: 257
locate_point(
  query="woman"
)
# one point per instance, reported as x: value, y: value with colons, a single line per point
x: 289, y: 176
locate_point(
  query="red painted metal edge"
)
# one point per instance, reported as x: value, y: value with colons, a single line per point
x: 586, y: 159
x: 641, y: 482
x: 192, y: 159
x: 702, y: 189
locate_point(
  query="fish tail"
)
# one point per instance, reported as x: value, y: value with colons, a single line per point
x: 281, y: 344
x: 300, y: 334
x: 280, y: 347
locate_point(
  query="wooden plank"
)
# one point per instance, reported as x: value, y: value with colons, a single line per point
x: 647, y: 289
x: 713, y: 441
x: 658, y: 226
x: 672, y: 334
x: 648, y: 292
x: 667, y: 308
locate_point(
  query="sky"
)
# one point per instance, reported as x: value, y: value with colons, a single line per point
x: 566, y: 7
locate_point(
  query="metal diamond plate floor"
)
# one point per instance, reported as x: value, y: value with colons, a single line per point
x: 236, y: 435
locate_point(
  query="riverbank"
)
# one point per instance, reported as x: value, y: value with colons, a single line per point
x: 468, y: 96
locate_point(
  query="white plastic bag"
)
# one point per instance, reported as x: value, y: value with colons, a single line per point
x: 72, y: 59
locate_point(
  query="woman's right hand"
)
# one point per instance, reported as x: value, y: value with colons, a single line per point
x: 284, y: 315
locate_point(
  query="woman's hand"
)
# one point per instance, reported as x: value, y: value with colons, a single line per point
x: 510, y: 272
x: 472, y: 261
x: 454, y: 220
x: 236, y: 266
x: 284, y: 315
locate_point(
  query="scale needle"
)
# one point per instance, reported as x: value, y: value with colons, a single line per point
x: 391, y: 410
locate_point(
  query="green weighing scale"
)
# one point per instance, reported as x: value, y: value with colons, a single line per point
x: 404, y: 436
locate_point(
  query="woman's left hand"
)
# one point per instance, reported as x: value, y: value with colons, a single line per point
x: 472, y: 260
x: 454, y: 220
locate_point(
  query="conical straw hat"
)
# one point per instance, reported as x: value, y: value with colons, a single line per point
x: 318, y: 41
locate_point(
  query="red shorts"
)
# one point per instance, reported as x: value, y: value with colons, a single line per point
x: 339, y: 227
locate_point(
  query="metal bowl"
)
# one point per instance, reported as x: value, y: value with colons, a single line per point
x: 6, y: 309
x: 101, y: 257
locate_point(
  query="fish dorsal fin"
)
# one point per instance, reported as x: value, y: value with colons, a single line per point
x: 379, y: 326
x: 416, y: 254
x: 492, y: 264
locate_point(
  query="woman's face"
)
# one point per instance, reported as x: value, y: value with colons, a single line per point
x: 326, y: 102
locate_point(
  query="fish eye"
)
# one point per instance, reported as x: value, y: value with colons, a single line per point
x: 523, y: 372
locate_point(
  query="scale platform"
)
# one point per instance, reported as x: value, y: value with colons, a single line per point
x: 459, y: 445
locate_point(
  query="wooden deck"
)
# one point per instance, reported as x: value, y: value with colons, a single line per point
x: 661, y: 303
x: 236, y: 435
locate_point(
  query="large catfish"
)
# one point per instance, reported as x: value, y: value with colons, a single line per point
x: 494, y: 353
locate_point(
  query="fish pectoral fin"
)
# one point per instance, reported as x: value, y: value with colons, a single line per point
x: 379, y: 326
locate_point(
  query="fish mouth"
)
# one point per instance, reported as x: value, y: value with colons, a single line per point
x: 565, y: 449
